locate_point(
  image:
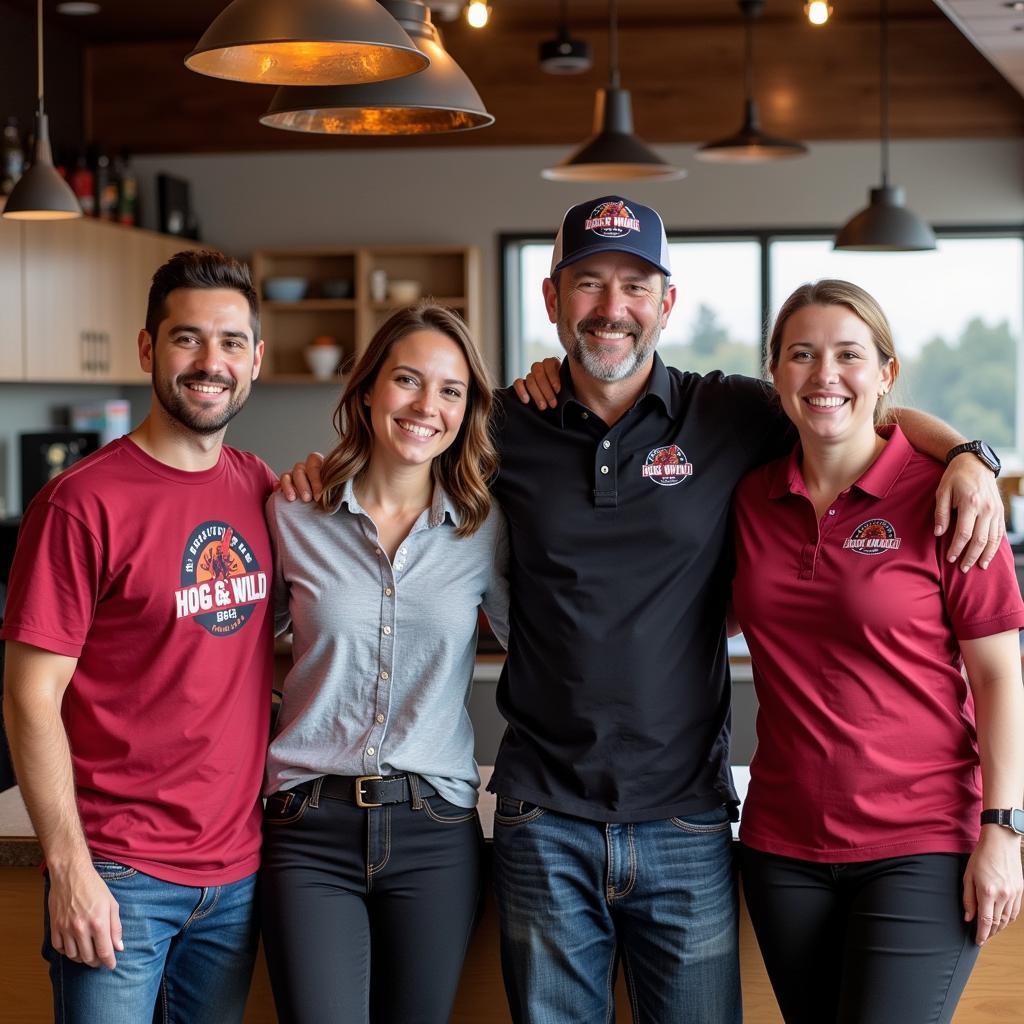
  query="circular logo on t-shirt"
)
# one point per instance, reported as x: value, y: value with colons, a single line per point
x: 872, y: 537
x: 221, y: 582
x: 667, y: 466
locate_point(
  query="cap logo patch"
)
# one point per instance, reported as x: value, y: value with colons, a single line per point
x: 873, y: 537
x: 667, y: 466
x: 612, y: 220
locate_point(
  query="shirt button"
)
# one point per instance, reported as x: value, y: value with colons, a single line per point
x: 585, y: 415
x: 380, y: 718
x: 376, y: 551
x: 384, y: 675
x: 606, y: 444
x: 604, y: 469
x: 831, y: 511
x: 371, y: 751
x: 387, y: 591
x: 402, y: 551
x: 387, y: 631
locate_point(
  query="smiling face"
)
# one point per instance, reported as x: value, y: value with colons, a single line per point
x: 830, y: 374
x: 418, y: 399
x: 610, y: 311
x: 204, y: 358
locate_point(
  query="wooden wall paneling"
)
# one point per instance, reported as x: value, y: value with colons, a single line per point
x: 686, y: 81
x: 12, y: 337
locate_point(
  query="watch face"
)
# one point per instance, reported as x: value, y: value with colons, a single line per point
x: 1017, y: 821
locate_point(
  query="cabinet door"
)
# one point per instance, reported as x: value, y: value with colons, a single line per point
x: 12, y: 366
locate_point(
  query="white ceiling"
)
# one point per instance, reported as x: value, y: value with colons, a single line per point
x: 996, y: 30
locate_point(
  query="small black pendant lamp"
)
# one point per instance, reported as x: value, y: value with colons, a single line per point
x: 885, y: 224
x: 305, y: 42
x: 613, y: 152
x: 41, y: 193
x: 439, y: 99
x: 750, y: 145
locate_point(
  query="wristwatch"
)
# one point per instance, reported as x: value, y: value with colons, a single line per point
x: 980, y: 448
x: 1009, y: 817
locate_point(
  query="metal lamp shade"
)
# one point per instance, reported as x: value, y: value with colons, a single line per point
x: 750, y: 145
x: 439, y: 99
x: 886, y: 225
x: 305, y: 42
x: 41, y: 193
x: 613, y: 152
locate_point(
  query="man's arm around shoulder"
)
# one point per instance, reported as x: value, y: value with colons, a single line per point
x: 84, y: 921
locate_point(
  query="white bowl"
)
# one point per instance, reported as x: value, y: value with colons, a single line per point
x: 323, y: 360
x: 403, y: 293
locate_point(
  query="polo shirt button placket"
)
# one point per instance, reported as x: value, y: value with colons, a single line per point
x: 606, y: 484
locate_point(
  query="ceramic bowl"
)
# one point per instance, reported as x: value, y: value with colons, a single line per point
x: 323, y: 360
x: 402, y: 293
x: 285, y: 289
x: 336, y: 288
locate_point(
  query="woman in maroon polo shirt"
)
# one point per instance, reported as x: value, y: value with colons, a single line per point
x: 869, y: 880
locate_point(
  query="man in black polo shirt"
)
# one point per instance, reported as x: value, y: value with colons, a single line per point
x: 612, y: 835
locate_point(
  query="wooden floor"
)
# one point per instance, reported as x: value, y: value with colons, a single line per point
x: 995, y: 994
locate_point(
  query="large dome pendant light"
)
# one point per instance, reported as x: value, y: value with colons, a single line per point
x: 305, y: 42
x: 750, y: 145
x: 440, y: 99
x: 41, y: 193
x: 613, y: 152
x: 885, y: 224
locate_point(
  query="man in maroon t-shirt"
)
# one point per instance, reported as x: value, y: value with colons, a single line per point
x: 139, y: 664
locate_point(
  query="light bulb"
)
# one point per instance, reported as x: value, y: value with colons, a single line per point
x: 818, y: 11
x: 477, y: 13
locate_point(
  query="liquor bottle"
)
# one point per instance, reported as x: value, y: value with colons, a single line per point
x: 83, y: 184
x: 13, y: 157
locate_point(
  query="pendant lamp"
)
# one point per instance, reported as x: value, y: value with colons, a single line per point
x: 750, y: 145
x: 440, y: 99
x: 613, y: 152
x: 885, y: 224
x: 41, y: 193
x: 305, y: 42
x: 564, y: 55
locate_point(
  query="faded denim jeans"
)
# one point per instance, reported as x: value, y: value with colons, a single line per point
x: 575, y: 897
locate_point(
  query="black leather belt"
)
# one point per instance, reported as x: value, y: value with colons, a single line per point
x: 370, y: 790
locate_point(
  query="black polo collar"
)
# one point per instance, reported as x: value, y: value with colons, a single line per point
x: 659, y: 386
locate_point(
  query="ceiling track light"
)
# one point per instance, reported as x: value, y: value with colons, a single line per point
x: 818, y: 11
x: 613, y: 152
x: 305, y: 42
x: 750, y: 145
x: 564, y: 55
x: 885, y: 224
x: 478, y: 13
x: 41, y: 193
x: 440, y: 99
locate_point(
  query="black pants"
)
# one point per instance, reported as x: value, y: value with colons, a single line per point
x: 367, y: 913
x: 875, y: 942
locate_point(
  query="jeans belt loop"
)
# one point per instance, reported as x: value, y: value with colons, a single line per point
x: 414, y: 792
x: 314, y: 796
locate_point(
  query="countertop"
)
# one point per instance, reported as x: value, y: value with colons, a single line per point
x: 19, y: 847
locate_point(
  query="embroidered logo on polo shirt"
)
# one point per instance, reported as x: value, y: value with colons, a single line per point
x: 667, y: 466
x: 873, y: 537
x: 221, y: 582
x: 612, y: 220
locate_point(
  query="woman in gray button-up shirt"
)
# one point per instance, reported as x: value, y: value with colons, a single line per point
x: 372, y: 844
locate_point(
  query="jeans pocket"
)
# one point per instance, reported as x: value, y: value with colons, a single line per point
x: 285, y: 807
x: 702, y: 822
x: 112, y: 870
x: 439, y: 809
x: 509, y: 811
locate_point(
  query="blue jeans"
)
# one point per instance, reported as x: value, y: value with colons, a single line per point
x: 187, y: 959
x: 577, y: 896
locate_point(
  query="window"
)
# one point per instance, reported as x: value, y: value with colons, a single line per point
x: 957, y: 314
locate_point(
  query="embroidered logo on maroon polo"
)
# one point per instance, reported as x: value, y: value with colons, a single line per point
x: 873, y: 537
x: 667, y: 466
x: 612, y: 220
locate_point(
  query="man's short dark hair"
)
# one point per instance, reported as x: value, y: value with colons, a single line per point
x: 200, y: 268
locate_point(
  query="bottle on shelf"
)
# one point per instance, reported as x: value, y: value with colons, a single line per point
x: 105, y: 188
x: 13, y: 157
x: 83, y: 184
x: 128, y: 191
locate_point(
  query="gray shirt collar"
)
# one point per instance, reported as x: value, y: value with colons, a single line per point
x: 441, y: 505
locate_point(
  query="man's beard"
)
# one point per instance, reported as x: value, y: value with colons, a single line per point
x: 601, y: 365
x: 177, y: 407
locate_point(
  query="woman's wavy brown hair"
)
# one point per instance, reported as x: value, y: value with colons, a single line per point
x: 466, y: 467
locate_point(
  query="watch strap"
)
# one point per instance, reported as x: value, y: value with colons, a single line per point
x: 1009, y: 817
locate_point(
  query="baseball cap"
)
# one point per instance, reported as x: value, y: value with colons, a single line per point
x: 611, y: 224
